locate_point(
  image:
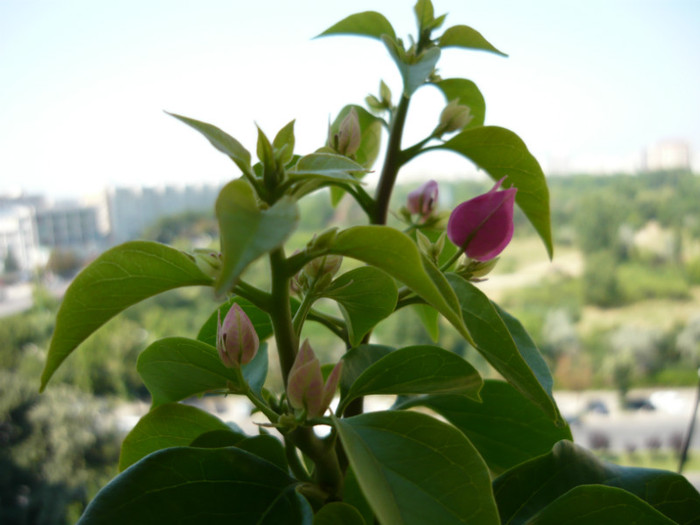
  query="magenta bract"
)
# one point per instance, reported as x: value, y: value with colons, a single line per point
x: 483, y: 226
x: 423, y: 200
x: 236, y: 339
x: 305, y: 385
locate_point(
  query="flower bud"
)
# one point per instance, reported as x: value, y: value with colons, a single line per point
x: 236, y: 339
x: 327, y: 264
x: 483, y: 226
x: 473, y: 270
x: 306, y: 389
x: 423, y: 200
x: 208, y: 261
x: 347, y: 140
x: 453, y: 118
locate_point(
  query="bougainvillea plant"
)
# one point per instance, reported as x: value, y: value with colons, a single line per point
x: 454, y: 447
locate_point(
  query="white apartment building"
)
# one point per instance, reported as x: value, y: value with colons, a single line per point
x: 18, y: 236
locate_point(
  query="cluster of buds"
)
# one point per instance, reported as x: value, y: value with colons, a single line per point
x: 317, y: 274
x: 432, y: 250
x: 483, y: 226
x: 475, y: 271
x: 454, y: 117
x: 237, y: 341
x: 306, y: 389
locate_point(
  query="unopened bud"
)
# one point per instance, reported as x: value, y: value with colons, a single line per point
x: 347, y: 140
x: 453, y: 118
x: 473, y: 270
x: 236, y: 339
x: 306, y: 389
x: 423, y: 200
x: 208, y: 261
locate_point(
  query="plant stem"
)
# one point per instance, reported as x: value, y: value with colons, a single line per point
x: 281, y: 314
x: 392, y: 163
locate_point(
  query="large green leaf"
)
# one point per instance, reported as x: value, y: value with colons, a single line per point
x: 198, y: 485
x: 414, y: 469
x: 365, y: 296
x: 222, y: 141
x: 176, y: 368
x: 495, y: 342
x: 467, y: 38
x: 370, y: 135
x: 338, y: 513
x: 247, y: 231
x: 394, y: 252
x: 505, y: 427
x: 530, y: 487
x: 169, y: 425
x: 414, y: 71
x: 367, y: 23
x: 466, y: 92
x: 261, y: 321
x: 420, y: 369
x: 430, y: 318
x: 117, y: 279
x: 357, y: 360
x: 502, y: 153
x: 601, y: 505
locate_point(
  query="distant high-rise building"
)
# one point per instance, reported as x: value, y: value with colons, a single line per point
x: 132, y: 210
x: 18, y: 238
x: 668, y: 155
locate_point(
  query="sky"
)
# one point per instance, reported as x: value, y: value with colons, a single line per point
x: 84, y: 84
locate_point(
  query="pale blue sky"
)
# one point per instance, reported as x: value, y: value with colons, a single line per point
x: 83, y: 82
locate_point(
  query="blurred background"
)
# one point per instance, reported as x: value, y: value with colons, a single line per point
x: 603, y: 93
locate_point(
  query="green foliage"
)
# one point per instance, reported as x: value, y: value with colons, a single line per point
x: 184, y: 465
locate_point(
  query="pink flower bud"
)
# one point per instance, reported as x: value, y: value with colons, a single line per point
x: 236, y: 339
x: 483, y: 226
x: 305, y: 385
x: 423, y: 200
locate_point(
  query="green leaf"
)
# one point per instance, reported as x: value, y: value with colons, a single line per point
x: 425, y: 14
x: 419, y: 369
x: 365, y: 296
x: 501, y: 153
x: 261, y: 321
x: 430, y: 318
x: 370, y: 135
x: 326, y: 166
x: 414, y: 469
x: 169, y: 425
x: 357, y: 360
x: 222, y: 141
x: 248, y: 232
x: 352, y: 494
x: 176, y: 368
x: 528, y: 349
x: 529, y: 488
x: 218, y: 439
x: 394, y: 252
x: 505, y: 427
x: 367, y: 23
x: 600, y: 505
x: 338, y: 513
x: 466, y: 92
x: 414, y: 70
x: 466, y: 37
x: 496, y: 344
x: 285, y: 138
x: 117, y: 279
x: 198, y: 485
x: 266, y: 447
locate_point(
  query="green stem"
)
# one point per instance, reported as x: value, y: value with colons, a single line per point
x: 303, y: 311
x: 256, y: 296
x: 392, y: 164
x: 281, y: 314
